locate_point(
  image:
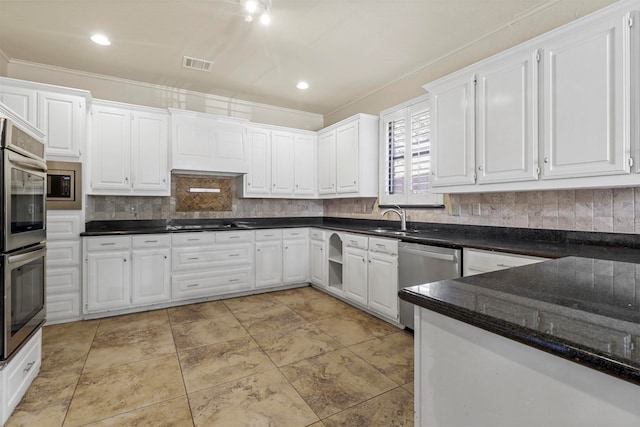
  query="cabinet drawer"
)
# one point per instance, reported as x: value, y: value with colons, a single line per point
x: 61, y: 280
x: 63, y: 307
x: 295, y: 233
x: 386, y: 246
x: 63, y: 227
x: 22, y: 370
x: 185, y: 286
x: 478, y: 261
x: 63, y: 253
x: 264, y: 235
x: 316, y: 234
x: 234, y: 236
x: 193, y: 239
x: 187, y: 259
x: 108, y: 243
x: 356, y: 241
x: 151, y: 241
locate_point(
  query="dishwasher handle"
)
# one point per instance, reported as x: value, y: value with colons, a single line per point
x: 437, y: 255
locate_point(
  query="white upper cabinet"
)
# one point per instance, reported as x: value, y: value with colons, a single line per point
x: 327, y: 162
x: 348, y: 158
x: 23, y: 101
x: 63, y: 120
x: 110, y: 149
x: 558, y: 111
x: 258, y: 180
x: 60, y: 113
x: 304, y: 165
x: 453, y: 130
x: 129, y: 150
x: 149, y: 151
x: 208, y: 143
x: 282, y: 163
x: 507, y: 125
x: 586, y: 100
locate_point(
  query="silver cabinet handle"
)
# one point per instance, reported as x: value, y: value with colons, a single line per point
x: 480, y: 167
x: 107, y: 244
x: 193, y: 240
x: 234, y: 237
x: 234, y: 280
x: 151, y: 241
x: 193, y: 259
x: 546, y: 160
x: 234, y: 255
x: 505, y: 265
x: 194, y: 285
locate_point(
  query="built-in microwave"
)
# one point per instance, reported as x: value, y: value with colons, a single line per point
x: 64, y: 185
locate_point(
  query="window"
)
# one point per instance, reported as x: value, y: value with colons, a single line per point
x: 406, y: 148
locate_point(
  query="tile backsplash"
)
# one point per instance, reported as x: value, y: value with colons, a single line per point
x: 101, y: 208
x: 607, y: 210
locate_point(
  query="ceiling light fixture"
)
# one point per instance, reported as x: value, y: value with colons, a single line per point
x: 101, y: 39
x: 254, y: 8
x: 302, y: 85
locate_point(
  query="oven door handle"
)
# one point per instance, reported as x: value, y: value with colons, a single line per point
x: 27, y: 256
x: 33, y: 164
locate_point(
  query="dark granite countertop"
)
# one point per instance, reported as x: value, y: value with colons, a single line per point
x: 536, y: 242
x: 582, y: 309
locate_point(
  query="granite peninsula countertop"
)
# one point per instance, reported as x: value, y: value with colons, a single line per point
x: 582, y: 309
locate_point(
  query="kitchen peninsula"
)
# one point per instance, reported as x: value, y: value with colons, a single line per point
x: 553, y: 343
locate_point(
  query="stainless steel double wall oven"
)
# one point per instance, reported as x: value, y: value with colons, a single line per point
x: 23, y: 243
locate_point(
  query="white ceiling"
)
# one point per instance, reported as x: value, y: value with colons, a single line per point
x: 345, y: 49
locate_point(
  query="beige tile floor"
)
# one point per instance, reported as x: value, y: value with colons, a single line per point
x: 291, y: 358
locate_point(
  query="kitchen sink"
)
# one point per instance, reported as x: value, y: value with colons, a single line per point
x: 392, y: 231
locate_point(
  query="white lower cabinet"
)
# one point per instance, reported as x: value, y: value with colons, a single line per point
x: 383, y: 283
x: 108, y: 280
x: 295, y: 255
x: 355, y: 275
x: 478, y: 261
x: 63, y: 286
x: 268, y: 258
x: 317, y: 258
x: 18, y: 374
x: 151, y: 269
x: 208, y: 264
x: 123, y: 272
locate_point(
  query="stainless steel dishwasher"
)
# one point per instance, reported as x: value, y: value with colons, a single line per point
x: 419, y: 264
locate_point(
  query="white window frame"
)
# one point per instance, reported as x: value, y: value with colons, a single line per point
x: 408, y: 198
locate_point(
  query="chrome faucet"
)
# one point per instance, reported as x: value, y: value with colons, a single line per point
x: 401, y: 213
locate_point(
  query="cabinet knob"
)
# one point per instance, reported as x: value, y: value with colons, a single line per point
x: 125, y: 260
x: 480, y: 167
x: 546, y: 160
x: 363, y: 260
x: 248, y: 184
x: 164, y: 180
x: 165, y: 257
x: 274, y: 184
x: 126, y: 178
x: 354, y: 182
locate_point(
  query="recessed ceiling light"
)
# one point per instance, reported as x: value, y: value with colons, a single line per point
x: 101, y: 39
x: 302, y: 85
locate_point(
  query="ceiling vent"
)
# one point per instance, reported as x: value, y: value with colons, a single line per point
x: 196, y: 64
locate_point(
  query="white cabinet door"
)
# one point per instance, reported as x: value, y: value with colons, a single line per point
x: 507, y: 112
x: 355, y: 275
x: 258, y: 180
x: 190, y: 144
x: 111, y: 149
x: 453, y: 131
x: 304, y: 165
x: 282, y: 163
x: 383, y: 284
x: 586, y: 100
x: 295, y: 260
x: 108, y: 280
x: 318, y: 267
x: 62, y: 119
x: 268, y: 264
x: 229, y: 152
x: 150, y: 145
x: 22, y: 101
x: 347, y: 158
x: 151, y: 276
x: 327, y: 163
